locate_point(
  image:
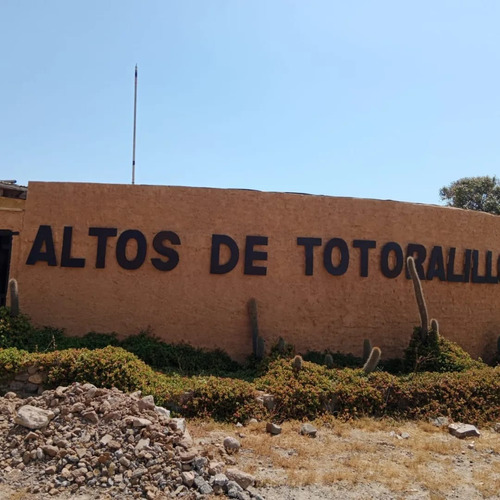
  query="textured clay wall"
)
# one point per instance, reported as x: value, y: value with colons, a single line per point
x: 326, y: 272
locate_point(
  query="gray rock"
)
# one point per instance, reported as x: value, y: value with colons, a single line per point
x: 142, y: 443
x: 178, y: 424
x: 188, y: 478
x: 106, y: 439
x: 125, y: 462
x: 33, y: 417
x: 141, y: 422
x: 139, y: 472
x: 91, y: 416
x: 496, y: 427
x: 233, y: 485
x: 203, y: 487
x: 440, y: 421
x: 231, y: 445
x: 463, y: 431
x: 146, y: 403
x: 162, y: 411
x: 308, y: 430
x: 268, y: 401
x: 273, y: 429
x: 220, y: 480
x: 242, y: 478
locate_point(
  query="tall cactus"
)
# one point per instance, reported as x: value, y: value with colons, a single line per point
x: 367, y: 349
x: 372, y: 360
x: 14, y: 297
x: 254, y: 322
x: 258, y: 343
x: 419, y: 294
x: 261, y: 348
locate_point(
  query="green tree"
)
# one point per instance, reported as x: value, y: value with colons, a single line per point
x: 473, y: 193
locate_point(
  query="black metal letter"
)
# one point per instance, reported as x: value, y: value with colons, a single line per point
x: 173, y: 256
x: 384, y: 260
x: 421, y: 254
x: 436, y: 264
x: 43, y: 236
x: 344, y: 257
x: 121, y: 249
x: 364, y: 246
x: 215, y: 266
x: 450, y: 267
x: 102, y: 233
x: 309, y: 244
x: 251, y: 255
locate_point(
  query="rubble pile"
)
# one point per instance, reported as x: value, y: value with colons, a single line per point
x: 121, y: 444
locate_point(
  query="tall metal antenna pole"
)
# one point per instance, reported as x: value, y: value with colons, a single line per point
x: 135, y: 120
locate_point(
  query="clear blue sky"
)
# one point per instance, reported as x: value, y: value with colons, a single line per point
x: 377, y: 99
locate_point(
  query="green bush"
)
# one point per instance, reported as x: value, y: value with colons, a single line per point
x: 340, y: 360
x: 180, y: 357
x: 437, y: 354
x: 19, y: 332
x: 221, y: 399
x: 15, y: 331
x: 473, y: 396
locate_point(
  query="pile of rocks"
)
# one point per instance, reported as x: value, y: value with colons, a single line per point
x: 122, y: 444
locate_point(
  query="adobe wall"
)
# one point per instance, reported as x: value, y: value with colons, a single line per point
x: 101, y: 282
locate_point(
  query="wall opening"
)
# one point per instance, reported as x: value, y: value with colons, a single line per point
x: 5, y: 251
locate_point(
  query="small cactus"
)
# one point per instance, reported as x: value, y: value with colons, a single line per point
x: 419, y: 294
x: 329, y: 361
x: 367, y: 349
x: 297, y: 363
x: 281, y: 346
x: 14, y: 297
x: 373, y: 360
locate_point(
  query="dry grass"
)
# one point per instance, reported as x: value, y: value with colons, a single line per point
x: 430, y: 462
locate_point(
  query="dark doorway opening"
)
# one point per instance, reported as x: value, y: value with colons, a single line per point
x: 5, y: 251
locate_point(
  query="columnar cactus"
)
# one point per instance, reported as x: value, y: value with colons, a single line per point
x: 14, y: 297
x: 258, y: 344
x: 373, y: 360
x: 261, y: 348
x: 419, y: 294
x: 367, y: 349
x: 281, y: 345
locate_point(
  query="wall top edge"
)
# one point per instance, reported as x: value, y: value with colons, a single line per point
x: 34, y: 185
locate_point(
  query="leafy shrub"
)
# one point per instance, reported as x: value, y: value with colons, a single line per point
x: 437, y: 354
x: 221, y: 399
x: 297, y: 395
x: 19, y: 332
x: 14, y: 330
x: 13, y: 360
x: 340, y: 360
x: 473, y: 396
x: 182, y: 357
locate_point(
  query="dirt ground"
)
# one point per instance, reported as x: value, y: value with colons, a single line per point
x: 364, y: 459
